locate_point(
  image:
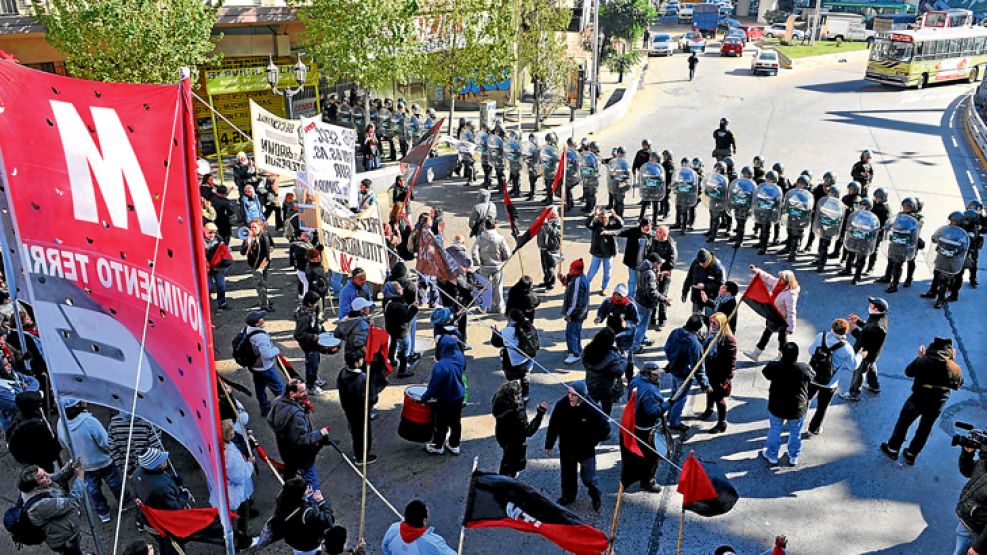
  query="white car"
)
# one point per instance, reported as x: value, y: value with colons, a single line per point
x: 692, y: 41
x: 661, y: 45
x: 765, y: 61
x: 685, y: 13
x: 777, y: 31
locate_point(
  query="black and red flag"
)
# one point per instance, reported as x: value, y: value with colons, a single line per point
x: 432, y: 259
x: 762, y: 299
x: 705, y: 490
x: 496, y: 501
x: 413, y: 162
x: 532, y: 232
x: 559, y: 171
x: 509, y: 206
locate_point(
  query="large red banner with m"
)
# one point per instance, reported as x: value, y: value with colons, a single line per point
x: 103, y: 227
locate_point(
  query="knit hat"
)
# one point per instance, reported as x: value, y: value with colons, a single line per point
x: 441, y: 315
x: 576, y: 267
x: 152, y: 458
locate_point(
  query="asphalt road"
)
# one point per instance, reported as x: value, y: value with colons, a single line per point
x: 845, y: 497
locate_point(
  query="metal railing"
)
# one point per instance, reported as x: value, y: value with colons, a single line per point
x: 9, y: 7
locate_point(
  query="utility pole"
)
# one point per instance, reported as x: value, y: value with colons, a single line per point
x: 595, y: 77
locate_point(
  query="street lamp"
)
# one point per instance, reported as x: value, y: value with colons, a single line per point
x: 272, y: 74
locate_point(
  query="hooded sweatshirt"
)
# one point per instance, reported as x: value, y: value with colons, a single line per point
x: 403, y: 539
x: 578, y: 429
x: 30, y: 439
x: 446, y: 384
x: 647, y: 294
x: 354, y: 330
x: 484, y: 209
x: 788, y: 396
x: 91, y: 442
x: 683, y: 351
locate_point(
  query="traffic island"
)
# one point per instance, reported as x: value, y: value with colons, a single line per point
x: 794, y: 55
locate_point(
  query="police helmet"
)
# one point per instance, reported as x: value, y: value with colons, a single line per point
x: 778, y: 167
x: 594, y: 147
x: 865, y: 155
x: 865, y: 203
x: 697, y: 163
x: 908, y: 205
x: 584, y: 142
x: 919, y: 205
x: 551, y: 138
x: 880, y: 194
x: 463, y: 122
x: 747, y: 172
x: 653, y: 157
x: 724, y: 122
x: 570, y: 142
x: 415, y: 108
x: 803, y: 182
x: 828, y: 177
x: 619, y: 151
x: 807, y: 173
x: 853, y: 188
x: 758, y: 162
x: 666, y: 154
x: 513, y: 134
x: 834, y: 190
x: 533, y: 138
x: 645, y: 143
x: 771, y: 176
x: 976, y: 206
x: 430, y: 112
x: 720, y: 167
x: 729, y: 162
x: 956, y: 217
x: 685, y: 161
x: 970, y: 215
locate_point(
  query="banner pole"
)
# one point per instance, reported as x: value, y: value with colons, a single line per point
x: 369, y: 483
x: 705, y: 353
x: 215, y: 138
x: 678, y: 545
x: 366, y: 427
x: 565, y: 198
x: 462, y: 528
x: 616, y: 514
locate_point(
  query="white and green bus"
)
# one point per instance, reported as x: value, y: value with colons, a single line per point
x: 928, y: 55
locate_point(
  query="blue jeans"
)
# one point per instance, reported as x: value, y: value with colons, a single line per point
x: 263, y: 381
x: 675, y: 413
x: 964, y: 539
x: 94, y: 482
x: 217, y: 282
x: 644, y: 319
x: 773, y: 444
x: 574, y: 337
x: 594, y: 267
x: 312, y: 368
x: 631, y: 282
x: 311, y: 477
x: 412, y: 332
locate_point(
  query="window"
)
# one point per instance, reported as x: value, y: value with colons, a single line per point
x: 920, y: 50
x: 954, y: 46
x: 978, y: 45
x: 968, y: 46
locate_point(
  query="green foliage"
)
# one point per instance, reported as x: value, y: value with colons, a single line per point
x: 131, y: 41
x: 368, y: 42
x: 542, y: 42
x: 776, y: 16
x: 625, y: 19
x: 469, y: 40
x: 614, y: 59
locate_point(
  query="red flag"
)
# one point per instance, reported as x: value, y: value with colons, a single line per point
x: 781, y: 542
x: 432, y: 259
x: 278, y: 465
x: 532, y: 231
x: 694, y: 484
x: 559, y: 171
x: 377, y: 345
x: 509, y: 205
x: 179, y: 523
x: 762, y: 300
x: 418, y: 155
x: 627, y: 422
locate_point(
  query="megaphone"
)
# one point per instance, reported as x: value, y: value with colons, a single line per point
x: 242, y: 233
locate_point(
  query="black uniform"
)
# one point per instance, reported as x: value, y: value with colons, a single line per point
x: 883, y: 213
x: 862, y: 173
x: 849, y: 202
x: 817, y: 194
x: 726, y: 143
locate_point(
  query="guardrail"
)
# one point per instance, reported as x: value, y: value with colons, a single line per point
x: 975, y: 126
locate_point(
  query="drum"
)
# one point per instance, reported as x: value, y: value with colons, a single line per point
x: 416, y: 416
x: 329, y: 343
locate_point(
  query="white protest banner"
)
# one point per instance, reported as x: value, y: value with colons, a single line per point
x: 277, y: 147
x: 329, y: 160
x: 350, y: 240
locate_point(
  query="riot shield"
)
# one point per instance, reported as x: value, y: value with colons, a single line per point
x: 767, y: 203
x: 829, y: 217
x: 741, y: 196
x: 861, y: 232
x: 903, y: 236
x: 953, y: 242
x: 651, y: 177
x: 685, y: 183
x: 798, y: 209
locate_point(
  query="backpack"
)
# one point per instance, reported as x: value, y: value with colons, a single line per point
x: 22, y: 530
x: 822, y: 361
x: 243, y: 350
x: 553, y: 241
x: 527, y: 339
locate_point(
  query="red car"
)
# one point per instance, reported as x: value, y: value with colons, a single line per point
x: 753, y: 32
x: 732, y: 46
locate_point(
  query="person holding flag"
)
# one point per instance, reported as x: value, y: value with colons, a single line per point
x: 580, y: 426
x: 684, y: 353
x: 776, y: 299
x: 490, y: 253
x: 550, y: 245
x: 644, y: 414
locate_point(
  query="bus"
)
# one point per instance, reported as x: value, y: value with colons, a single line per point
x: 868, y: 9
x: 922, y: 56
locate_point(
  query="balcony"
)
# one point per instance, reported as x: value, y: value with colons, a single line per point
x: 9, y: 7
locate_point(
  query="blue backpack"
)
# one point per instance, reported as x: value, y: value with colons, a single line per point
x: 22, y: 530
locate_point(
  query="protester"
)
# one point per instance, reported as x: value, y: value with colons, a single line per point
x: 29, y: 437
x: 550, y: 247
x: 308, y: 327
x: 721, y: 362
x: 298, y: 253
x: 579, y: 427
x: 244, y: 172
x: 301, y: 518
x: 512, y: 428
x: 490, y: 252
x: 604, y: 367
x: 785, y: 289
x: 518, y: 342
x: 635, y: 249
x: 318, y: 281
x: 352, y: 387
x: 649, y: 408
x: 356, y: 289
x: 684, y: 353
x: 91, y: 444
x: 868, y: 337
x: 647, y: 299
x: 446, y: 391
x: 788, y: 399
x: 706, y: 275
x: 157, y: 488
x: 218, y: 262
x: 830, y: 354
x: 239, y: 482
x: 334, y: 541
x: 250, y: 208
x: 399, y: 274
x: 400, y: 310
x: 53, y: 502
x: 354, y: 329
x: 664, y: 246
x: 620, y: 315
x: 575, y: 309
x: 227, y: 213
x: 263, y: 371
x: 725, y: 301
x: 298, y: 442
x: 413, y: 535
x: 602, y: 246
x: 137, y: 433
x: 484, y: 210
x: 257, y: 248
x: 523, y: 298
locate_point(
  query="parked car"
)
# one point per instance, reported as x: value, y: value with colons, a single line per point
x: 685, y: 13
x: 732, y: 46
x: 777, y: 31
x: 672, y: 9
x: 728, y: 23
x: 661, y: 45
x: 754, y: 32
x: 692, y: 41
x: 765, y: 61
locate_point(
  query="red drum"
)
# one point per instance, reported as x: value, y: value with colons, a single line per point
x: 416, y: 416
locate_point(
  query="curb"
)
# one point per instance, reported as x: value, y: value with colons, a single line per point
x: 822, y: 59
x: 972, y: 119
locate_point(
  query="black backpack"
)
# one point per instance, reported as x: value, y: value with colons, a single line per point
x: 243, y: 350
x: 822, y: 361
x: 527, y: 338
x: 22, y: 530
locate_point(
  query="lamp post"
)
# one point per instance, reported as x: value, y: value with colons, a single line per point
x: 299, y: 71
x: 597, y: 40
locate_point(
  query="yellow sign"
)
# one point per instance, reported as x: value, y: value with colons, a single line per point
x: 239, y: 75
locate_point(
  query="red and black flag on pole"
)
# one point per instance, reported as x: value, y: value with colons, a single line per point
x: 547, y: 214
x: 413, y: 162
x: 496, y: 501
x: 559, y: 171
x: 761, y: 299
x: 705, y: 490
x: 509, y: 206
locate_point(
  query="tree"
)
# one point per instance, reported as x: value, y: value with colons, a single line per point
x: 623, y: 21
x: 132, y: 41
x: 368, y: 42
x: 468, y: 40
x: 542, y: 47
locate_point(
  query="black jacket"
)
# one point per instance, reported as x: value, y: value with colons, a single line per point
x: 722, y: 361
x: 665, y: 250
x: 352, y: 388
x: 158, y: 489
x: 971, y: 508
x: 603, y: 374
x: 307, y: 328
x: 935, y: 376
x: 304, y: 528
x: 862, y: 173
x: 227, y: 215
x: 727, y: 307
x: 578, y: 429
x: 31, y: 441
x: 640, y: 158
x: 398, y: 316
x: 600, y: 245
x: 788, y: 396
x: 513, y: 427
x: 258, y: 251
x: 297, y: 441
x: 633, y: 253
x: 648, y: 294
x: 523, y: 299
x: 711, y: 277
x: 318, y: 281
x: 870, y: 337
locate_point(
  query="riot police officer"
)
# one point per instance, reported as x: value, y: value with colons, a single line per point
x: 850, y: 200
x: 573, y: 178
x: 725, y: 142
x: 782, y: 181
x: 952, y: 243
x: 345, y: 113
x: 862, y: 172
x: 532, y: 157
x: 828, y: 222
x: 716, y: 188
x: 862, y: 229
x: 740, y: 200
x: 330, y: 109
x: 618, y: 180
x: 589, y: 167
x: 483, y: 145
x: 758, y: 167
x: 767, y: 209
x: 883, y: 213
x: 697, y: 166
x: 975, y: 224
x: 818, y: 193
x: 360, y: 118
x: 413, y: 127
x: 731, y: 172
x: 668, y: 164
x: 686, y: 187
x: 550, y: 164
x: 514, y: 155
x: 495, y: 150
x: 651, y: 180
x: 797, y: 211
x: 399, y: 127
x: 430, y: 120
x: 902, y: 232
x: 466, y: 161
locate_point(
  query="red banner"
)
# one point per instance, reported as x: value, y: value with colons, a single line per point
x: 105, y: 229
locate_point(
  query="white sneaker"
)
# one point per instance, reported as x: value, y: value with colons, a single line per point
x: 316, y: 391
x: 453, y: 450
x: 764, y: 454
x: 571, y: 359
x: 434, y: 450
x: 753, y: 354
x: 794, y: 461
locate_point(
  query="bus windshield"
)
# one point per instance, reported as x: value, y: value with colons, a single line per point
x: 891, y: 51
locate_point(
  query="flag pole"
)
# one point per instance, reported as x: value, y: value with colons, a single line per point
x: 613, y: 525
x: 705, y: 353
x: 678, y: 545
x: 462, y: 528
x: 366, y: 426
x: 562, y: 207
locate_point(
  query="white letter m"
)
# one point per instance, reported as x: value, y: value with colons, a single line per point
x: 116, y: 162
